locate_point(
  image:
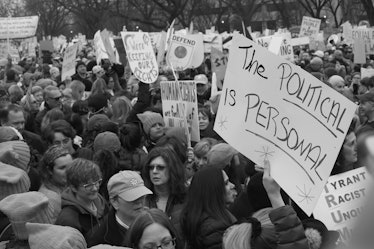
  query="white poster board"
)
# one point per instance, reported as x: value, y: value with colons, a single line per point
x: 18, y: 27
x: 68, y: 64
x: 179, y: 101
x: 309, y: 26
x: 140, y: 56
x: 342, y: 201
x: 180, y: 52
x: 99, y: 48
x: 264, y: 41
x: 219, y: 64
x: 272, y: 108
x: 366, y: 34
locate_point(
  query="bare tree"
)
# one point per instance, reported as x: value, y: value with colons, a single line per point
x: 314, y: 7
x: 369, y: 8
x: 245, y: 9
x: 52, y: 16
x: 335, y: 6
x: 11, y: 8
x: 282, y: 6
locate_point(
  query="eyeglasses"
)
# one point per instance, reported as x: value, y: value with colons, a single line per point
x: 165, y: 244
x: 89, y: 186
x: 157, y: 167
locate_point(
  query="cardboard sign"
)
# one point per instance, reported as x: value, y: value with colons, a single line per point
x: 180, y: 52
x: 219, y: 64
x: 68, y: 64
x: 367, y: 72
x: 99, y: 48
x: 105, y: 37
x: 18, y: 27
x: 140, y: 56
x: 271, y: 108
x: 179, y: 101
x: 309, y: 26
x: 342, y: 201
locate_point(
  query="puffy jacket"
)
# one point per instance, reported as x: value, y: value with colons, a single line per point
x: 75, y: 215
x: 288, y: 227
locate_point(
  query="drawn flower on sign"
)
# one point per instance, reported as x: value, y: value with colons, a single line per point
x: 305, y: 195
x: 265, y: 152
x: 221, y: 123
x: 180, y: 52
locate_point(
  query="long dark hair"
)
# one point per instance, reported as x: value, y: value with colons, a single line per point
x: 177, y: 179
x: 206, y: 195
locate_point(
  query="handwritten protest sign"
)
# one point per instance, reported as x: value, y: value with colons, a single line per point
x: 367, y: 72
x: 272, y: 109
x: 18, y: 27
x: 264, y: 41
x: 366, y: 34
x: 68, y: 64
x: 179, y: 101
x: 140, y: 56
x: 219, y: 64
x: 342, y: 201
x: 309, y: 26
x: 180, y: 51
x: 99, y: 48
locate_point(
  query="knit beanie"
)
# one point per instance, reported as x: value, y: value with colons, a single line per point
x: 107, y: 140
x: 23, y: 151
x: 8, y: 133
x: 96, y: 120
x: 149, y: 119
x: 220, y: 155
x: 26, y: 207
x: 47, y: 236
x: 316, y: 64
x: 12, y: 180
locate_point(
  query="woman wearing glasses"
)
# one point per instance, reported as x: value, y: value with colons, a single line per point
x: 152, y: 230
x: 82, y: 205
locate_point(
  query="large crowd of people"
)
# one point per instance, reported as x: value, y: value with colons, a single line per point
x: 88, y: 162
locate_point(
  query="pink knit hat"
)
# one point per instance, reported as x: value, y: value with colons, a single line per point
x: 12, y: 180
x: 26, y: 207
x: 23, y: 151
x: 47, y: 236
x: 148, y: 119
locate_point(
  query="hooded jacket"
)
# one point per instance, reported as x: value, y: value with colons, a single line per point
x: 75, y: 215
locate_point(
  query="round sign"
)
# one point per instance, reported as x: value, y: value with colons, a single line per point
x: 180, y: 52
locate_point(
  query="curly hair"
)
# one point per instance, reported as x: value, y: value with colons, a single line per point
x: 82, y: 171
x: 177, y: 179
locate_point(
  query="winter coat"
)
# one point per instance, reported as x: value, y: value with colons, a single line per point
x: 75, y: 215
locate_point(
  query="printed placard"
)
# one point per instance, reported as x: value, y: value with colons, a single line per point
x: 219, y: 64
x: 140, y: 56
x: 18, y: 27
x: 271, y: 108
x: 180, y: 52
x: 309, y: 26
x: 179, y: 102
x: 68, y: 64
x: 342, y: 201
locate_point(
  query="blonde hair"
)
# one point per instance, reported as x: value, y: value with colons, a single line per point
x: 238, y: 236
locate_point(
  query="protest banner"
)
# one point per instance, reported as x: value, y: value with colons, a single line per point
x: 271, y: 108
x: 367, y: 72
x: 219, y: 64
x: 309, y: 26
x: 105, y: 37
x: 179, y: 102
x: 68, y: 64
x: 342, y: 201
x: 99, y: 48
x: 180, y: 52
x: 18, y: 27
x: 140, y: 56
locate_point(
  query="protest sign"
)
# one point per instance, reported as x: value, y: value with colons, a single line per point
x: 18, y: 27
x: 366, y: 34
x: 359, y: 51
x: 180, y: 52
x: 347, y: 32
x: 28, y: 46
x: 99, y: 48
x: 105, y: 37
x: 264, y: 41
x: 13, y: 51
x: 309, y: 26
x: 140, y: 56
x: 179, y: 102
x: 300, y: 41
x: 219, y: 64
x: 342, y: 201
x: 317, y: 42
x: 198, y: 53
x: 68, y: 64
x: 367, y: 72
x: 212, y: 40
x: 120, y: 49
x: 271, y: 108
